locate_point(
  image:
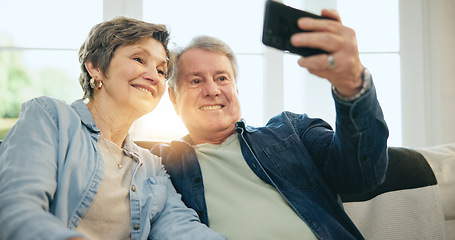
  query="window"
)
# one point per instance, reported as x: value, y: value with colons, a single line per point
x: 39, y: 42
x: 307, y: 93
x: 45, y: 52
x: 298, y: 91
x: 377, y: 30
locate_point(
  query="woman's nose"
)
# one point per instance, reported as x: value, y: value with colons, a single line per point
x: 153, y: 76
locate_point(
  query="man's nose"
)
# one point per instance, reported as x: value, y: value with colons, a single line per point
x: 211, y: 89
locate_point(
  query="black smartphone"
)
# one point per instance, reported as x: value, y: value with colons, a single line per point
x: 280, y: 22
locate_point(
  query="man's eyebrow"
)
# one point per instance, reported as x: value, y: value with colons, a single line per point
x: 223, y: 72
x: 194, y: 74
x: 197, y: 74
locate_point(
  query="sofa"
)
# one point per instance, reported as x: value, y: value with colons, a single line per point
x: 442, y: 161
x: 416, y: 201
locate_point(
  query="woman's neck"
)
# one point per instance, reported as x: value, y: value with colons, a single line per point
x: 113, y: 124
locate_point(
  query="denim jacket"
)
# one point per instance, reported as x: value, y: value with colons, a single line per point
x: 50, y: 170
x: 304, y: 159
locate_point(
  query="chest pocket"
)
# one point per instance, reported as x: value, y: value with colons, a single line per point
x: 293, y: 162
x: 157, y: 195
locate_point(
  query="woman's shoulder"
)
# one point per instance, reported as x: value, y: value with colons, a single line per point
x: 46, y: 102
x: 50, y: 107
x: 43, y: 104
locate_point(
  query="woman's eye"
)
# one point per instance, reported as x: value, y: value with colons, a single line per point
x: 222, y: 78
x: 161, y: 72
x: 139, y: 60
x: 195, y: 81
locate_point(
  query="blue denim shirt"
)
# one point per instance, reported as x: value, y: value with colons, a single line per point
x: 304, y: 159
x: 50, y: 170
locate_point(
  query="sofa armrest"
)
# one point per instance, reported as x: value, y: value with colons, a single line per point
x: 407, y: 169
x: 406, y: 206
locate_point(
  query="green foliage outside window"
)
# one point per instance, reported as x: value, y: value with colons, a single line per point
x: 18, y: 84
x: 14, y: 80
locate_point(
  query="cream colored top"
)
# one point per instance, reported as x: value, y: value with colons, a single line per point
x: 108, y: 217
x: 241, y: 205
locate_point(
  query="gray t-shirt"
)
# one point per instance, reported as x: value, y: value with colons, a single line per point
x: 241, y: 205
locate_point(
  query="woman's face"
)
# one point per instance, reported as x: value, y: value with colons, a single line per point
x: 135, y: 80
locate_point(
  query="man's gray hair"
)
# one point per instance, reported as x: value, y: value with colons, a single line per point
x: 208, y: 43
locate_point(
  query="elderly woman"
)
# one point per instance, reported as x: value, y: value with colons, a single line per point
x: 73, y: 172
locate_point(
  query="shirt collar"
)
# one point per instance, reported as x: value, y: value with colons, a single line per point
x: 86, y: 117
x: 186, y: 140
x: 242, y: 125
x: 131, y: 149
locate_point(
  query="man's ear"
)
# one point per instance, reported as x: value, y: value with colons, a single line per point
x: 94, y: 72
x: 173, y: 99
x: 236, y: 87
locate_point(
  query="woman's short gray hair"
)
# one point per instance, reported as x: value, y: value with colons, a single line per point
x: 104, y: 38
x: 202, y: 42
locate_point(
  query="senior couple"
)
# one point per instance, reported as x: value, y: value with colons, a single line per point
x: 73, y: 172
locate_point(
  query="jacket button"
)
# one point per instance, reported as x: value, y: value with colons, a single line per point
x: 136, y: 227
x: 133, y: 188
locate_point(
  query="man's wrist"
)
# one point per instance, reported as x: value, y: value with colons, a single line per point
x: 366, y: 85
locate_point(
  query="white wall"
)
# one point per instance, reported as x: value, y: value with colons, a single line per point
x: 446, y: 43
x: 427, y: 36
x: 129, y: 8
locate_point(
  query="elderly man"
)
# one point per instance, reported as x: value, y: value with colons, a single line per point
x: 280, y: 181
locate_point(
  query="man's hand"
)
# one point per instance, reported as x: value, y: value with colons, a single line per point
x: 340, y: 43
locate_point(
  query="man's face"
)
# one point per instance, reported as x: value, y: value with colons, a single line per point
x: 206, y: 97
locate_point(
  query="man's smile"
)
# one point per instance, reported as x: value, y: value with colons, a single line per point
x: 211, y: 107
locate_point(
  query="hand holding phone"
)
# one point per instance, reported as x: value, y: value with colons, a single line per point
x: 280, y: 23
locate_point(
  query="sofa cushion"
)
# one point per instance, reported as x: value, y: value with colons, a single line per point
x: 442, y: 160
x: 400, y: 215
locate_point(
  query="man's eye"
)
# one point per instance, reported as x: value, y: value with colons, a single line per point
x: 222, y: 78
x: 139, y: 60
x: 195, y: 81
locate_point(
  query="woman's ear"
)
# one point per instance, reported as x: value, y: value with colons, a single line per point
x: 94, y: 72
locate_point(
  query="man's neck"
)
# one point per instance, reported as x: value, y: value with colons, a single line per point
x: 212, y: 138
